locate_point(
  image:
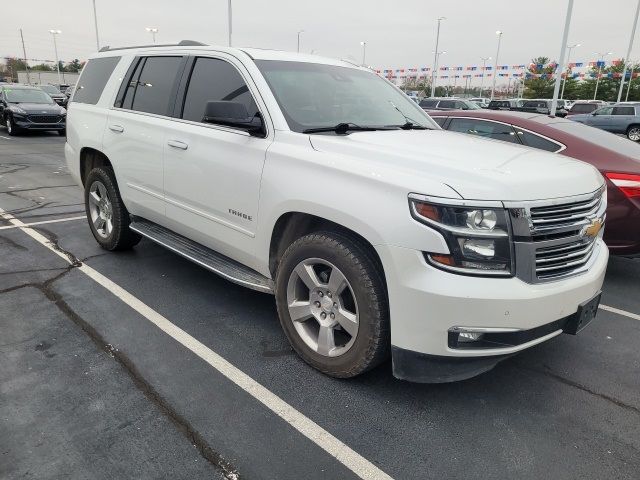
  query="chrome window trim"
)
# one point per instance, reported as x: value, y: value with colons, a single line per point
x: 515, y: 127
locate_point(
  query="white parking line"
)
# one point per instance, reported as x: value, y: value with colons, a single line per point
x: 6, y: 138
x: 44, y: 222
x: 307, y: 427
x: 620, y: 312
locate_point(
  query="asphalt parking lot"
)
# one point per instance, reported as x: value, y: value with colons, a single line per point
x: 143, y: 365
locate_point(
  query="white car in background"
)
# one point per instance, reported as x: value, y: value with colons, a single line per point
x: 321, y: 183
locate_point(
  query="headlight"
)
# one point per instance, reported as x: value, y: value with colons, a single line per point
x: 478, y: 237
x: 16, y: 109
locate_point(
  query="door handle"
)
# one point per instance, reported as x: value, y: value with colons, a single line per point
x: 116, y: 128
x: 177, y: 144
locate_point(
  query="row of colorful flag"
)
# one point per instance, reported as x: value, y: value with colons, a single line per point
x: 526, y: 75
x: 532, y: 66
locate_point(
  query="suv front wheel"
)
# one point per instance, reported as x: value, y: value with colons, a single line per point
x: 332, y: 304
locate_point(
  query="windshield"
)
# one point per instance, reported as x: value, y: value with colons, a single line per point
x: 26, y: 95
x: 49, y: 89
x: 313, y: 95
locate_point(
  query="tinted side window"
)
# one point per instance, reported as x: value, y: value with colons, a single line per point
x: 428, y: 103
x: 583, y: 108
x: 215, y: 80
x: 483, y: 128
x: 623, y: 111
x: 447, y: 104
x: 156, y: 84
x: 537, y: 141
x: 95, y: 75
x: 439, y: 120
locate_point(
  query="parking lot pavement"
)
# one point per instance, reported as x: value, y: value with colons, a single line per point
x: 569, y: 408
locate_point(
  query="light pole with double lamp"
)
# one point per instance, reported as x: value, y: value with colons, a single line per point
x: 484, y: 69
x: 495, y: 67
x: 54, y: 33
x: 566, y: 74
x: 436, y: 54
x: 152, y: 31
x: 600, y: 64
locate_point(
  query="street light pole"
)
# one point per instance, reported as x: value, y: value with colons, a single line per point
x: 569, y: 48
x: 24, y: 53
x: 484, y: 69
x: 364, y: 52
x: 626, y: 97
x: 299, y: 32
x: 55, y: 49
x: 152, y: 31
x: 229, y: 19
x: 563, y: 49
x: 495, y: 69
x: 435, y: 58
x: 600, y: 62
x: 626, y: 59
x: 95, y: 22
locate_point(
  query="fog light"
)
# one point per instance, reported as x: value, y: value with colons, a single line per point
x: 476, y: 248
x: 469, y: 336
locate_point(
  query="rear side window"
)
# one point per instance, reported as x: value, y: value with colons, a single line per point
x: 623, y: 111
x: 215, y: 80
x: 483, y: 128
x: 428, y: 103
x: 583, y: 107
x: 536, y: 141
x: 153, y: 85
x: 439, y: 120
x: 447, y: 104
x: 94, y: 77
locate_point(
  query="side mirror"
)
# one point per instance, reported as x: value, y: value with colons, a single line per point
x: 233, y: 114
x: 594, y: 113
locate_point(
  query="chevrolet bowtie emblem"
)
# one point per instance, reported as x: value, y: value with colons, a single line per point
x: 591, y: 230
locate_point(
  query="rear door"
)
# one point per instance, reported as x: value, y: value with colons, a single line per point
x: 621, y: 117
x: 136, y: 129
x: 601, y: 118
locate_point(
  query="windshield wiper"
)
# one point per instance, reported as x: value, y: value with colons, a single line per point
x: 410, y: 123
x: 343, y: 128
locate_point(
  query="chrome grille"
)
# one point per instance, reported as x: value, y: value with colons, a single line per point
x: 562, y: 260
x: 45, y: 118
x: 565, y: 217
x: 551, y: 237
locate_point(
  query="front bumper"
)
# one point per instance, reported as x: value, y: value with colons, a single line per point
x: 426, y: 302
x: 24, y: 123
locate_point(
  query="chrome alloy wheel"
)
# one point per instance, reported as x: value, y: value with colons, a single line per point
x: 634, y: 134
x: 322, y: 307
x: 100, y: 209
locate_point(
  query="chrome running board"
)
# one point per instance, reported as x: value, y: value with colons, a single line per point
x: 203, y: 256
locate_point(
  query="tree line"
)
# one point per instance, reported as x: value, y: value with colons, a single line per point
x: 11, y: 66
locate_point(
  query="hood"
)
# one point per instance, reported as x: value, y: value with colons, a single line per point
x: 39, y: 107
x: 476, y: 168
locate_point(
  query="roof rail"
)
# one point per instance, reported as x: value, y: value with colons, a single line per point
x: 182, y: 43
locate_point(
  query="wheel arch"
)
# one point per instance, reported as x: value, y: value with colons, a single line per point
x: 293, y: 224
x: 91, y: 158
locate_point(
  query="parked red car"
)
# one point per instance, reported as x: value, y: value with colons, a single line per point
x: 617, y: 158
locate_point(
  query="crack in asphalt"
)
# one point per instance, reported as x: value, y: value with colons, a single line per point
x: 547, y: 372
x: 43, y: 205
x: 37, y: 188
x: 180, y: 422
x: 12, y: 243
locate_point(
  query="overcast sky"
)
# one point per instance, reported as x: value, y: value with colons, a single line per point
x: 397, y: 33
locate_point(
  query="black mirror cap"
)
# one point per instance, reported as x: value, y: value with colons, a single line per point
x: 233, y: 114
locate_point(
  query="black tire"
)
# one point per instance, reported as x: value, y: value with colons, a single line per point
x: 10, y: 125
x: 633, y: 133
x: 372, y: 343
x: 120, y: 237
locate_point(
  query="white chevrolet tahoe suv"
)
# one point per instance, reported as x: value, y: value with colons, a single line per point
x: 320, y: 182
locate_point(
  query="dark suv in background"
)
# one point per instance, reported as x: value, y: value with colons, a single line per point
x: 58, y: 97
x: 448, y: 104
x: 29, y: 108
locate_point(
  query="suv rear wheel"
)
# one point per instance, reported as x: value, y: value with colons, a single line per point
x: 633, y: 133
x: 108, y: 217
x: 332, y: 304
